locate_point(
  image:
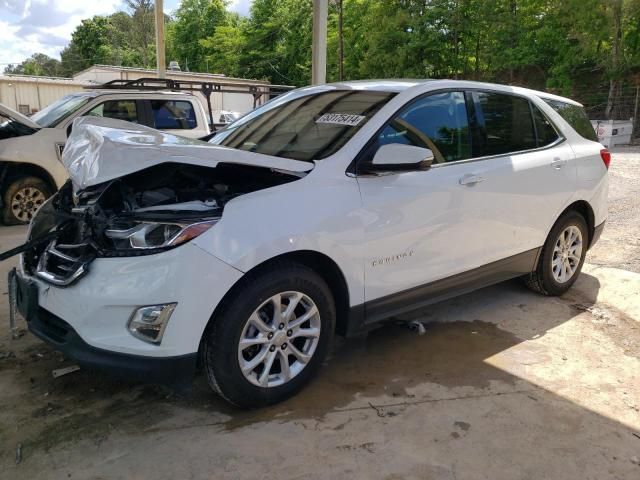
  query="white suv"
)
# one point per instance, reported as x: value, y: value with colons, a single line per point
x: 30, y: 147
x: 327, y: 210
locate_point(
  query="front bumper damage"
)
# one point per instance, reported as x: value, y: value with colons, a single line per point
x: 87, y: 321
x: 175, y: 370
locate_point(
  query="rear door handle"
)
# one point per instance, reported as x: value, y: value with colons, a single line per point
x: 470, y: 179
x: 558, y: 163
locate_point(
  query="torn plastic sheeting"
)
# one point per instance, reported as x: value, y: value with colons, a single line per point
x: 102, y: 149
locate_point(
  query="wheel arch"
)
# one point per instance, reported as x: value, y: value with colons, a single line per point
x: 14, y: 170
x: 320, y: 263
x: 583, y: 208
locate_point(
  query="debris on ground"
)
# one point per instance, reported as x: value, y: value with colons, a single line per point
x: 19, y: 454
x: 59, y: 372
x: 4, y: 355
x: 416, y: 326
x: 378, y: 410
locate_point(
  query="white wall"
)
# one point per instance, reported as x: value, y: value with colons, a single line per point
x: 37, y: 95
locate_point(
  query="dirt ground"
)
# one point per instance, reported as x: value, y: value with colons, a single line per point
x: 505, y: 384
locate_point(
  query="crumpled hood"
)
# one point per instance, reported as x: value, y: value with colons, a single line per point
x: 18, y: 117
x: 102, y: 149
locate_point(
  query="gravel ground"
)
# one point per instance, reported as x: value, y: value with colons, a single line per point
x: 619, y: 245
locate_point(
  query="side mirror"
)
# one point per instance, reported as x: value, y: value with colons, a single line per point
x: 397, y: 157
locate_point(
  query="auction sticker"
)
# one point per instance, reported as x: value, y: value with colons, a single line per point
x: 341, y: 119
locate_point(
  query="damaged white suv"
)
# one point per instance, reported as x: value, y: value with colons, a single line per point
x: 325, y: 211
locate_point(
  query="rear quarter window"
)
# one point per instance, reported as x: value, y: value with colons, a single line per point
x: 574, y: 116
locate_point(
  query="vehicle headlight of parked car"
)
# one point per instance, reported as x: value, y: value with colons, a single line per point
x: 155, y: 235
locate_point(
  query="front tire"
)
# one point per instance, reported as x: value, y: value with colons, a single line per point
x: 270, y: 336
x: 562, y: 256
x: 22, y: 198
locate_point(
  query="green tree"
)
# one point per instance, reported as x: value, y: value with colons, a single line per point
x: 224, y: 48
x: 195, y: 20
x: 38, y: 64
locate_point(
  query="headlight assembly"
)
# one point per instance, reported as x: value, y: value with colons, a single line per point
x: 148, y: 235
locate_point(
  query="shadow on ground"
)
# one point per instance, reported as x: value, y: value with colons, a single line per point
x: 390, y: 362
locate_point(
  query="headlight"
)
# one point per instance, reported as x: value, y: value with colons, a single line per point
x: 141, y: 235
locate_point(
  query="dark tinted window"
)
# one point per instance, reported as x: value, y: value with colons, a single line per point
x: 173, y: 114
x: 546, y: 132
x: 304, y: 126
x: 505, y: 124
x: 574, y: 116
x: 118, y: 109
x: 438, y: 122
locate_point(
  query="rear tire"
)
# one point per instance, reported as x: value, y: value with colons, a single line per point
x: 249, y: 315
x: 562, y: 256
x: 22, y: 198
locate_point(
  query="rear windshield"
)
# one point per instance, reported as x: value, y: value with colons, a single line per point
x: 304, y: 126
x: 574, y: 116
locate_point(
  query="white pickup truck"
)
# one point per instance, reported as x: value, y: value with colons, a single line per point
x: 30, y: 147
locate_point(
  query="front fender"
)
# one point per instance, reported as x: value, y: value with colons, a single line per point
x: 314, y: 213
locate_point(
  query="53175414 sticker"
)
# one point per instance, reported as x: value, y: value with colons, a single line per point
x: 346, y: 119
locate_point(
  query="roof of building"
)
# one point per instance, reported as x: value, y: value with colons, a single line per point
x: 38, y: 79
x: 171, y: 74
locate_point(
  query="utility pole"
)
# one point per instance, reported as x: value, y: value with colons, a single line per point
x: 634, y: 128
x: 341, y: 43
x: 161, y: 64
x: 319, y: 49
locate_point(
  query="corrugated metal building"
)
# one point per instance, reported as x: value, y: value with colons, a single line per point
x: 28, y: 94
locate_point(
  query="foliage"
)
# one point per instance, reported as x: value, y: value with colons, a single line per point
x: 567, y: 46
x: 38, y: 64
x: 195, y: 20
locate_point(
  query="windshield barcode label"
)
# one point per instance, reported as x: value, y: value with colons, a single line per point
x: 341, y: 119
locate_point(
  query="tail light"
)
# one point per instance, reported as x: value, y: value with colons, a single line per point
x: 606, y: 157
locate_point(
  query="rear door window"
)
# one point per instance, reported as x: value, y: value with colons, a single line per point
x: 504, y: 124
x: 118, y: 109
x: 173, y: 115
x: 574, y: 116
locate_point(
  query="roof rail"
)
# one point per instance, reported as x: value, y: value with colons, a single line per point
x: 206, y: 88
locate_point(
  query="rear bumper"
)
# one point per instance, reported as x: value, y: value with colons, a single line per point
x: 597, y: 231
x: 177, y: 370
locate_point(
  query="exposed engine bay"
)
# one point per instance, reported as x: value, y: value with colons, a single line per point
x: 145, y: 212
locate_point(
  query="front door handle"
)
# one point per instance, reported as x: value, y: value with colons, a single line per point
x: 470, y: 179
x: 558, y: 163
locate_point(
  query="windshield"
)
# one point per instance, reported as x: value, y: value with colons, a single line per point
x: 302, y: 125
x: 10, y: 128
x: 53, y: 114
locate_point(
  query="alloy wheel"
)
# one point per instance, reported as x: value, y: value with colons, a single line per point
x: 279, y: 339
x: 567, y: 253
x: 25, y: 203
